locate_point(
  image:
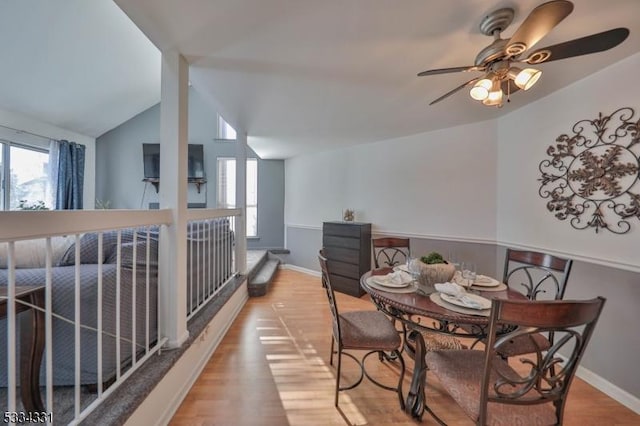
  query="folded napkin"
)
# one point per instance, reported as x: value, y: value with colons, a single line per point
x: 451, y: 289
x: 460, y: 294
x: 393, y: 279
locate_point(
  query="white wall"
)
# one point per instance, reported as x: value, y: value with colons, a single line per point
x: 478, y: 183
x: 524, y: 137
x: 436, y: 184
x: 28, y: 124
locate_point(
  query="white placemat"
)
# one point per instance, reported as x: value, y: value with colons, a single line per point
x: 435, y: 298
x: 407, y: 289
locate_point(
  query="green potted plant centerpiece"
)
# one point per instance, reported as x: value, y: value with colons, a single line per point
x: 434, y: 269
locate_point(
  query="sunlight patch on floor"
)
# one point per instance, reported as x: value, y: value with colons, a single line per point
x: 305, y: 381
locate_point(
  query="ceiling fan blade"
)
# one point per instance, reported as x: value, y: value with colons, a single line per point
x: 537, y: 25
x: 581, y: 46
x: 449, y: 70
x: 462, y: 86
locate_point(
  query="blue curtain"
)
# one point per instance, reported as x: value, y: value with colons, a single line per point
x: 70, y: 176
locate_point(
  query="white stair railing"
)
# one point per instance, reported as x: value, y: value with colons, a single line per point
x: 211, y: 263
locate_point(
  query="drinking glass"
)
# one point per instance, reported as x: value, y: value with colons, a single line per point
x: 413, y: 267
x: 453, y: 259
x: 468, y: 273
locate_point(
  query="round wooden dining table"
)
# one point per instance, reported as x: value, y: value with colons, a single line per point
x: 418, y: 312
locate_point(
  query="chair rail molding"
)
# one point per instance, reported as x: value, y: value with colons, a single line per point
x: 593, y: 175
x: 612, y: 263
x: 391, y: 233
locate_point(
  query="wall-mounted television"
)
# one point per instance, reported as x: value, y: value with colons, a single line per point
x: 151, y: 159
x: 195, y: 165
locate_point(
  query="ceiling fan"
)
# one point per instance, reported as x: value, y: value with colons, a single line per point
x: 497, y: 60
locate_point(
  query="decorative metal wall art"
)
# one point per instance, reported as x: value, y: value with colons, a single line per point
x: 593, y: 176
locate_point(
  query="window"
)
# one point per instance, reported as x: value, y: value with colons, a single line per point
x: 225, y: 131
x: 227, y: 190
x: 24, y: 172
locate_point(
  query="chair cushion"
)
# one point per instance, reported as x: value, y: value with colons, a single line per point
x: 460, y: 373
x: 368, y: 330
x: 436, y: 342
x: 525, y: 344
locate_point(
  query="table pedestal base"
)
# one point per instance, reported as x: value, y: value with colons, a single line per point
x: 415, y: 403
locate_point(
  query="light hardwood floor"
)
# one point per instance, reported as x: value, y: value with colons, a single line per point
x: 272, y: 368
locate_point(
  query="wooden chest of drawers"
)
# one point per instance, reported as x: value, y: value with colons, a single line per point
x: 347, y: 247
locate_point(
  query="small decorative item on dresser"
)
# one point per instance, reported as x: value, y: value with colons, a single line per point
x: 348, y: 215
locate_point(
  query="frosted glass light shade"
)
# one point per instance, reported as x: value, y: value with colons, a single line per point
x: 480, y: 90
x: 494, y: 98
x: 527, y: 78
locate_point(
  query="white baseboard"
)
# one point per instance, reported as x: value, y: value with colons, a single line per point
x: 608, y: 388
x: 301, y: 269
x: 165, y: 399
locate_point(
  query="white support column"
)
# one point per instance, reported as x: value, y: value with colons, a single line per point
x: 173, y: 195
x: 241, y: 201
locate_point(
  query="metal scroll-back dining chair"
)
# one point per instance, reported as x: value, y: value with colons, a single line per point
x: 371, y: 331
x: 538, y: 276
x: 389, y: 252
x: 491, y: 391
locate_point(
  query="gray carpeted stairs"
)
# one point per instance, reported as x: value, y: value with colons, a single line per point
x: 262, y: 274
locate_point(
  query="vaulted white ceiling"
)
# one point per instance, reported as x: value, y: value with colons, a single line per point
x: 298, y: 75
x: 304, y: 75
x: 77, y: 64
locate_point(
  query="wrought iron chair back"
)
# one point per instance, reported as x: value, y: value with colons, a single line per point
x: 541, y: 275
x: 533, y: 390
x: 333, y: 304
x: 390, y: 251
x: 369, y: 331
x: 548, y: 373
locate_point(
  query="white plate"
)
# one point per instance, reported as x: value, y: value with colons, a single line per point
x: 499, y: 287
x: 385, y: 280
x: 485, y: 281
x: 435, y: 298
x: 407, y: 289
x: 481, y: 301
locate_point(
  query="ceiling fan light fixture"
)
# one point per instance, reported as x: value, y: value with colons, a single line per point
x: 526, y: 78
x: 495, y: 95
x: 480, y: 90
x: 496, y: 58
